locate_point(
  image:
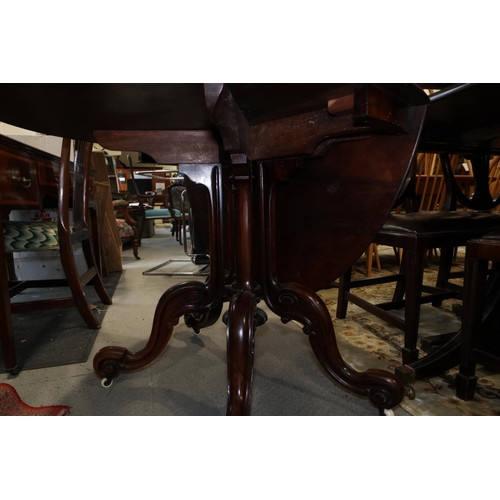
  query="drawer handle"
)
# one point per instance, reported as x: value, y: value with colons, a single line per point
x: 24, y: 181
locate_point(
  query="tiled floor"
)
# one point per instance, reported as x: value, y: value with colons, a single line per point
x: 189, y: 378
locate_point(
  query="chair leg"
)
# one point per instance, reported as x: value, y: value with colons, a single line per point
x: 135, y: 243
x: 75, y: 285
x: 445, y: 263
x: 369, y: 260
x: 377, y: 258
x: 135, y: 248
x: 6, y: 333
x: 474, y: 297
x: 96, y: 281
x: 344, y: 286
x: 400, y: 289
x: 414, y: 270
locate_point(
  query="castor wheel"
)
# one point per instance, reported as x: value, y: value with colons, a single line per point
x: 409, y: 392
x: 14, y: 371
x: 386, y: 412
x: 260, y: 317
x: 197, y: 321
x: 105, y: 383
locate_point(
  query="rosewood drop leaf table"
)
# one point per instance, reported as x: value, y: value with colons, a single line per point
x: 290, y: 183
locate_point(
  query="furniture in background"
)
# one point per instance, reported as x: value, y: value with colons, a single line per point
x: 417, y: 233
x: 462, y: 119
x: 27, y: 179
x: 128, y: 228
x: 479, y: 339
x: 179, y: 201
x: 117, y: 226
x: 146, y: 204
x: 194, y: 247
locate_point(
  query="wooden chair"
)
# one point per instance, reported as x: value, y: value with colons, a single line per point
x: 183, y: 218
x: 479, y: 332
x: 417, y: 233
x: 424, y: 191
x: 179, y: 202
x: 128, y: 227
x: 146, y: 205
x: 21, y: 236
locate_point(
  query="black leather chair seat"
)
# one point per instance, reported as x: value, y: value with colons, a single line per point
x: 443, y: 222
x: 492, y: 236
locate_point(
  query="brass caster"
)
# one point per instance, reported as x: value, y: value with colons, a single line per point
x: 409, y: 392
x: 105, y: 383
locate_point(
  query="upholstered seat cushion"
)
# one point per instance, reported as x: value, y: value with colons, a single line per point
x: 444, y: 222
x: 124, y: 229
x: 162, y: 213
x: 20, y: 236
x: 120, y: 203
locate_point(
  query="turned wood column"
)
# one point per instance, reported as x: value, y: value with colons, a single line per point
x: 241, y: 314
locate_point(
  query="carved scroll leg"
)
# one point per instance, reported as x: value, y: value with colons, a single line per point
x: 383, y: 389
x: 240, y: 348
x: 182, y: 299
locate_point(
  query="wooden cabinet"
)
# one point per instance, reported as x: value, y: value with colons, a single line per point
x: 18, y: 178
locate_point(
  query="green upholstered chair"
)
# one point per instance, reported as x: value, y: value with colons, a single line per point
x: 146, y: 206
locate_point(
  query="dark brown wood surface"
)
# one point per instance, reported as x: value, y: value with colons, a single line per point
x: 329, y: 210
x: 463, y: 118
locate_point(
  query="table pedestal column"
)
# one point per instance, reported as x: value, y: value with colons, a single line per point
x: 241, y: 274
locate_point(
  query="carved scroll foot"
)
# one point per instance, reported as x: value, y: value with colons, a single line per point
x: 185, y: 298
x: 293, y: 301
x: 241, y: 326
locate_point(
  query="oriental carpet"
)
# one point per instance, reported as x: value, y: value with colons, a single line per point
x: 365, y: 342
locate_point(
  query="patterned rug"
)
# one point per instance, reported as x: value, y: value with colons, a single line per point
x: 368, y: 342
x: 11, y: 405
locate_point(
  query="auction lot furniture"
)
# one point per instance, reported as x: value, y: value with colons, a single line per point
x: 463, y: 119
x: 416, y: 233
x: 251, y: 155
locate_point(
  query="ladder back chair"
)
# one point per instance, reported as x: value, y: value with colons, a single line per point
x: 417, y: 233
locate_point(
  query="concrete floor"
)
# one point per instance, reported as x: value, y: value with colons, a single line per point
x: 189, y: 377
